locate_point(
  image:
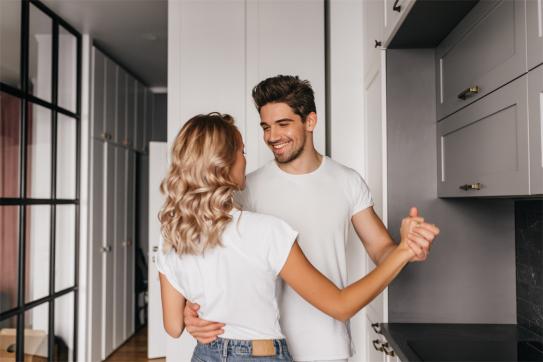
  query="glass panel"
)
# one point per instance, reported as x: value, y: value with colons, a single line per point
x: 9, y: 256
x: 36, y: 327
x: 67, y: 69
x: 66, y: 154
x: 64, y: 328
x: 38, y: 166
x: 8, y: 338
x: 38, y: 236
x: 10, y: 43
x: 40, y: 54
x: 65, y: 247
x: 10, y: 118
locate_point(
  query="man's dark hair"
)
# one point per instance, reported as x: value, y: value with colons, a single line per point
x: 288, y: 89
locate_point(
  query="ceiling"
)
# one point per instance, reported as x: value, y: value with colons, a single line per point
x: 133, y: 32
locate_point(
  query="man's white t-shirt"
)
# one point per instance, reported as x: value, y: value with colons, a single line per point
x: 235, y: 283
x: 319, y: 205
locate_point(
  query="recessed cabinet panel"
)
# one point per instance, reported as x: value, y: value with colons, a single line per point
x: 535, y: 111
x: 534, y: 32
x: 139, y: 118
x: 120, y: 133
x: 130, y: 110
x: 374, y: 24
x: 483, y: 148
x: 98, y: 95
x: 485, y: 51
x: 110, y: 100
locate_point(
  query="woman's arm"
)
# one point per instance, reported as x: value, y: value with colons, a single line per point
x: 173, y: 304
x: 342, y: 304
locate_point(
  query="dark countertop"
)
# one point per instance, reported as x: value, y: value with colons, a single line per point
x: 463, y: 342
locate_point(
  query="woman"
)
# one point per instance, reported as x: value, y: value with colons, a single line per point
x: 228, y: 261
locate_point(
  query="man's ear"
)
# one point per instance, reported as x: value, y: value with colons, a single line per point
x: 311, y: 122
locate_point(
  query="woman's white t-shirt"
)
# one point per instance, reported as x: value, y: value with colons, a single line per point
x: 235, y: 283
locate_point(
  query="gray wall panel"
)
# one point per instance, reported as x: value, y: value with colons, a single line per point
x: 470, y: 274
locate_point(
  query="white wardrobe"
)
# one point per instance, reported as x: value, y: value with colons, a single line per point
x: 121, y: 108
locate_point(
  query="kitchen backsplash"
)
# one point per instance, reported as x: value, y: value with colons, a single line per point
x: 529, y: 262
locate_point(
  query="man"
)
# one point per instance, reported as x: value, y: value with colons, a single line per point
x: 316, y: 196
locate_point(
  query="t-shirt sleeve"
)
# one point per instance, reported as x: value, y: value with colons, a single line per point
x: 361, y: 195
x: 164, y: 264
x: 281, y: 238
x: 244, y: 199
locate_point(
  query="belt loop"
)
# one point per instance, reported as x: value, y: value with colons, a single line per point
x: 225, y: 348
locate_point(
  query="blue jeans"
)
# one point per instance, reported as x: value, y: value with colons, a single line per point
x: 234, y: 350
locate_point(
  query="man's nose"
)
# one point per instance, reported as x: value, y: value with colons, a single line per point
x: 274, y: 134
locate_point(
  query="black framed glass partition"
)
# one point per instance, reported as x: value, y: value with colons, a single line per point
x: 40, y: 108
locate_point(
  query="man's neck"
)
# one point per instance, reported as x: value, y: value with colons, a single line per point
x: 307, y: 162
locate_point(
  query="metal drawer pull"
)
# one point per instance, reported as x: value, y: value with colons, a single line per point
x: 396, y: 7
x: 376, y: 344
x: 376, y: 328
x: 105, y: 249
x: 377, y: 43
x: 469, y: 92
x: 467, y: 187
x: 387, y: 351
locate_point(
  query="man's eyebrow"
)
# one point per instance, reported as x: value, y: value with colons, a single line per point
x: 278, y: 121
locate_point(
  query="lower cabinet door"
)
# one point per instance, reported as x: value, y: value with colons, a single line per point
x: 535, y: 111
x: 483, y: 148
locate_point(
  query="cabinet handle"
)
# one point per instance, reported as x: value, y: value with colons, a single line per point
x: 396, y: 7
x: 155, y: 248
x: 467, y: 187
x: 469, y: 92
x: 376, y: 328
x: 387, y: 351
x: 377, y: 43
x: 105, y: 249
x: 376, y: 344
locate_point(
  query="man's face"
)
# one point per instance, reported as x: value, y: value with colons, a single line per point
x: 284, y: 131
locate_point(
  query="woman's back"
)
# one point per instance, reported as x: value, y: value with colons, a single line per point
x: 235, y: 283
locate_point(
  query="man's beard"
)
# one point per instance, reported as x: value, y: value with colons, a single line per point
x: 294, y: 155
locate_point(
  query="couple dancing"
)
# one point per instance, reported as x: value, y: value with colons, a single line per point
x: 228, y: 240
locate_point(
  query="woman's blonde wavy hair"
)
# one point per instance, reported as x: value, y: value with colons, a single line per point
x: 198, y: 188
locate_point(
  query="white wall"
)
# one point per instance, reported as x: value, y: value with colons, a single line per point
x: 219, y: 50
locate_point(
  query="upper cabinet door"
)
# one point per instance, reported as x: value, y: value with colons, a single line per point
x: 130, y: 110
x: 148, y: 124
x: 98, y: 95
x: 483, y: 148
x: 535, y: 111
x: 534, y: 23
x: 110, y: 122
x: 395, y: 13
x: 374, y: 24
x: 485, y: 51
x: 120, y: 133
x: 139, y: 117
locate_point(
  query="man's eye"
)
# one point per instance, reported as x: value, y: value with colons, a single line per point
x: 283, y: 124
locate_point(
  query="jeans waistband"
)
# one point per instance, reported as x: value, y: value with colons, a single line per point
x: 236, y: 347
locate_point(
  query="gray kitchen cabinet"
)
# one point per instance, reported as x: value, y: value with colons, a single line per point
x: 483, y: 148
x: 120, y: 133
x: 395, y: 13
x: 98, y: 95
x: 139, y: 117
x: 486, y: 50
x: 110, y: 91
x: 130, y: 110
x: 535, y: 114
x: 534, y: 32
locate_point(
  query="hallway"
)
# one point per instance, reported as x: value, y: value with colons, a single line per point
x: 134, y: 350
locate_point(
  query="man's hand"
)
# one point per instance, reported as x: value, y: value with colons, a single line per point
x: 420, y: 236
x: 204, y: 331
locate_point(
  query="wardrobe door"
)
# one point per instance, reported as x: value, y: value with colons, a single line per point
x: 130, y: 249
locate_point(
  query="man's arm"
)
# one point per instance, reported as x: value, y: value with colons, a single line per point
x: 379, y: 243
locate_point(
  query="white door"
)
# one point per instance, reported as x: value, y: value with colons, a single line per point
x: 374, y: 100
x: 157, y: 169
x: 129, y: 242
x: 108, y: 260
x: 119, y: 219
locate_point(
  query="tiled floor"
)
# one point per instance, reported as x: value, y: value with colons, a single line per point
x: 134, y: 350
